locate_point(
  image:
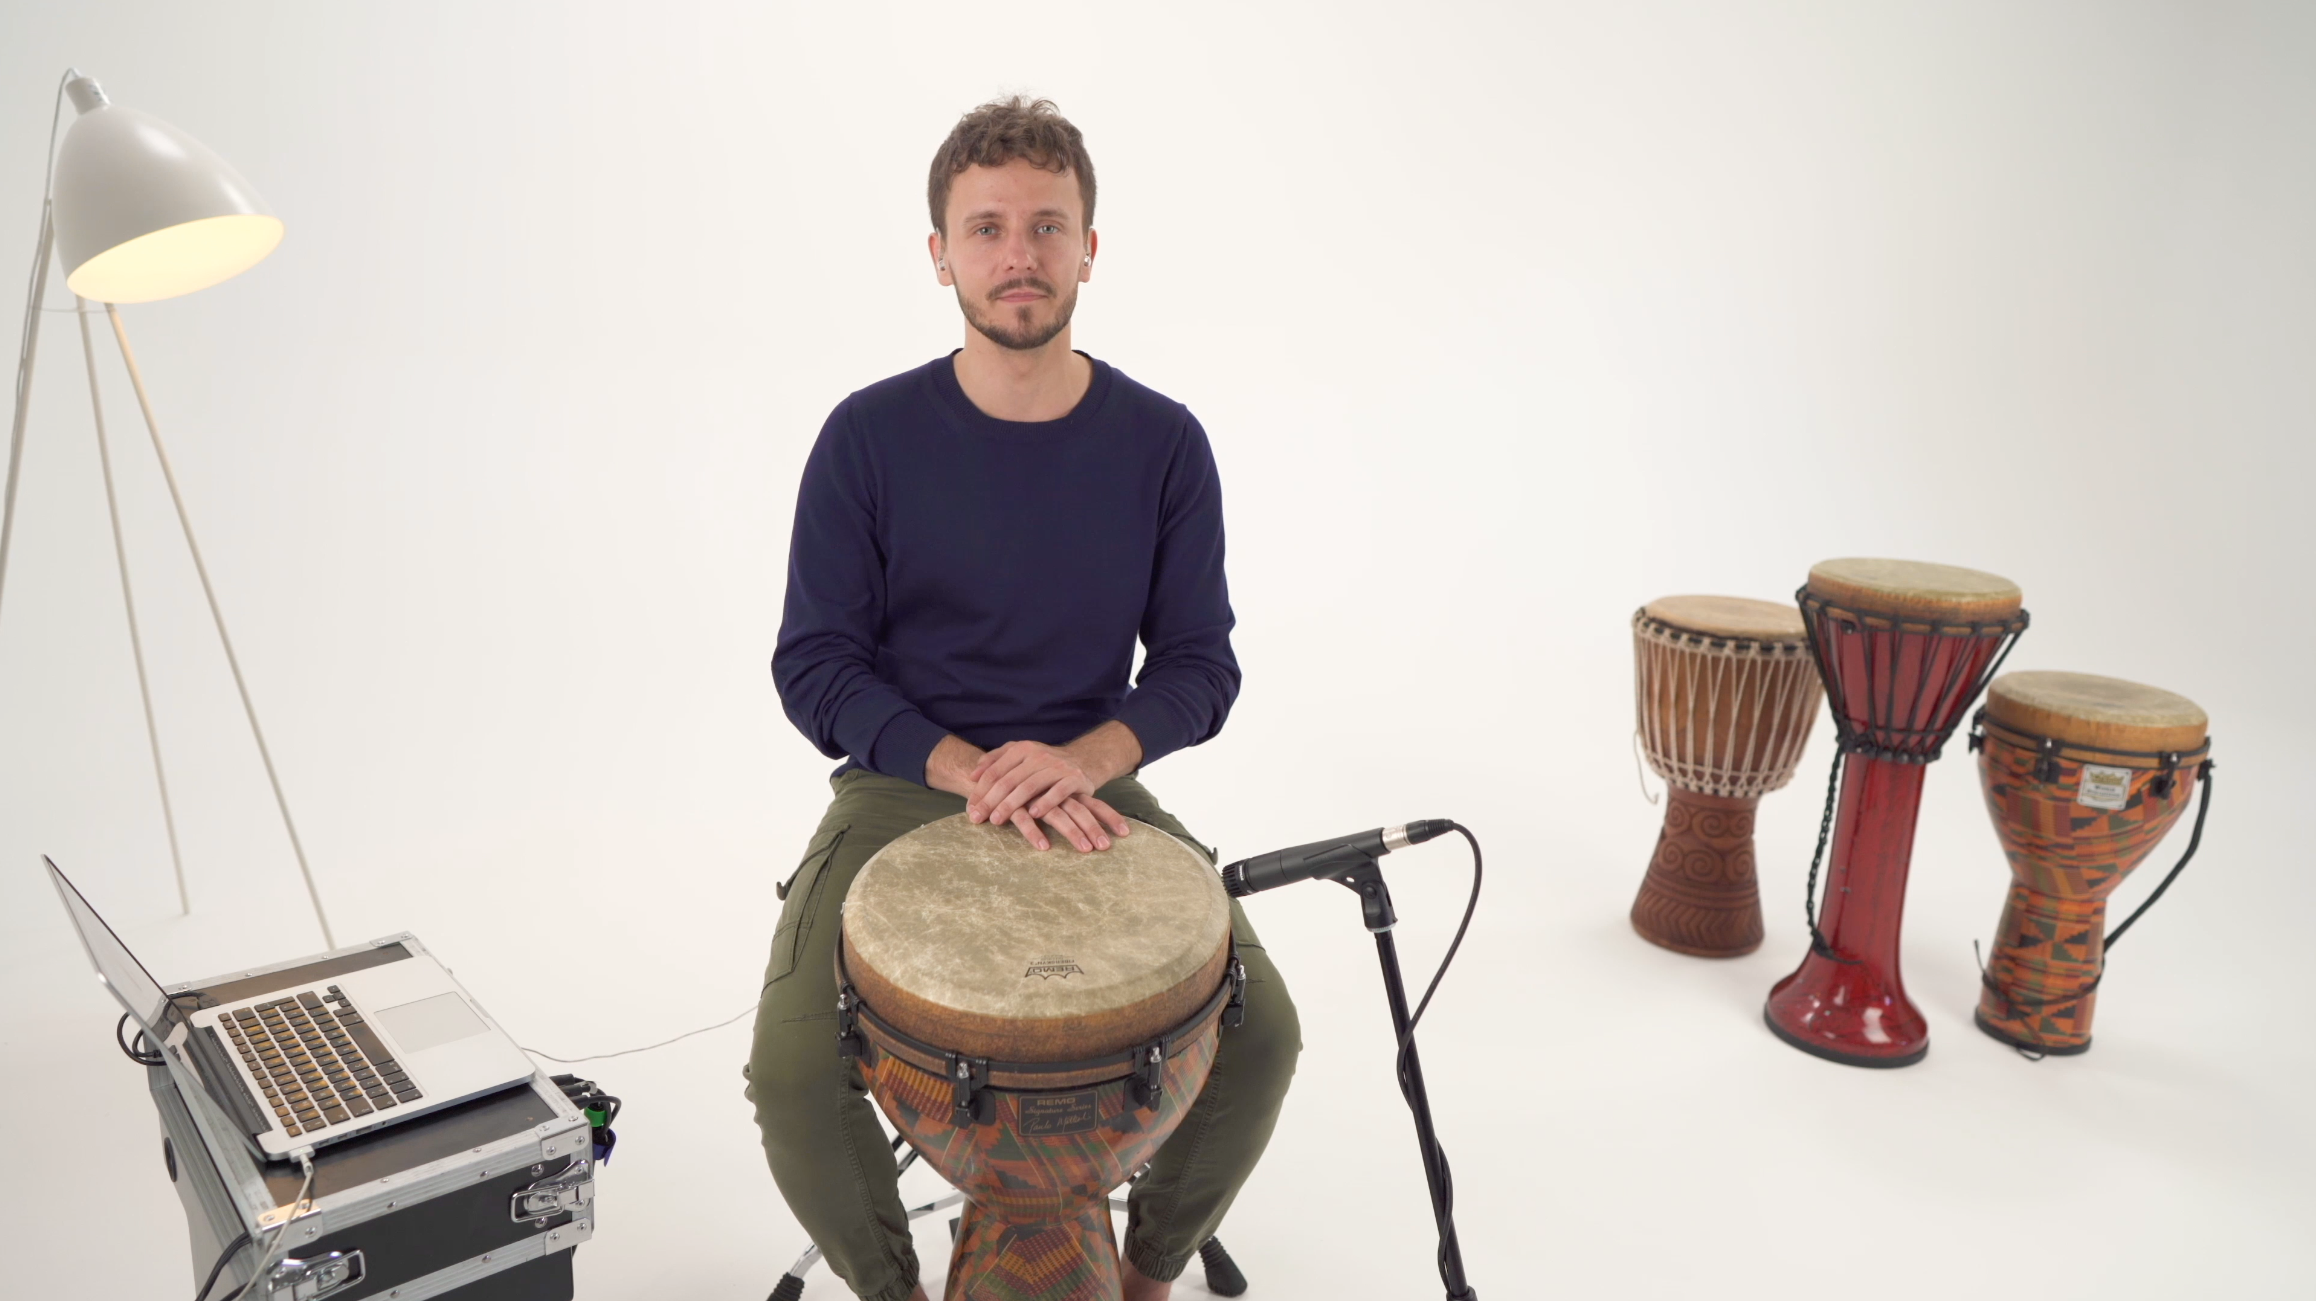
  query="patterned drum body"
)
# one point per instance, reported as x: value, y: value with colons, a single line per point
x: 2083, y: 776
x: 1904, y: 649
x: 1724, y: 696
x: 1036, y: 1025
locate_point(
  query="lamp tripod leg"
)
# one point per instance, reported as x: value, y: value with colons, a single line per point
x: 96, y: 404
x: 25, y: 354
x: 217, y: 616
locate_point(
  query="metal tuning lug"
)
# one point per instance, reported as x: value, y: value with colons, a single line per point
x: 567, y: 1190
x: 315, y: 1277
x: 1234, y: 1011
x: 850, y: 1043
x: 1149, y: 1075
x: 968, y: 1085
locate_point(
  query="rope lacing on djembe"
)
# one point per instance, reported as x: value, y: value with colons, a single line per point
x: 1915, y: 745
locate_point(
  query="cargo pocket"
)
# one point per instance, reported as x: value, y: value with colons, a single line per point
x: 801, y: 891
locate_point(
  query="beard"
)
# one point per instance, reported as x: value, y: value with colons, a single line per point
x: 1020, y: 334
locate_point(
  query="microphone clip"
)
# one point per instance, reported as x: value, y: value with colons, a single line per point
x: 1362, y: 875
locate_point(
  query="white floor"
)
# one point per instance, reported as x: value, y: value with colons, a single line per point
x: 1621, y: 1124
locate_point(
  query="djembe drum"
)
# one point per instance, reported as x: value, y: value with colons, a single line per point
x: 2083, y: 775
x: 1904, y: 649
x: 1724, y: 694
x: 1035, y: 1024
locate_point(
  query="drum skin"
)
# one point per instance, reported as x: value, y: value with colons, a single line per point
x: 966, y: 939
x: 1904, y: 648
x: 1724, y: 697
x: 2066, y: 856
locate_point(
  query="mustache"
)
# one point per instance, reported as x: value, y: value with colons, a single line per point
x: 1021, y: 282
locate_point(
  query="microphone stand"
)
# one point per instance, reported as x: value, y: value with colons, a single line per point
x: 1365, y: 879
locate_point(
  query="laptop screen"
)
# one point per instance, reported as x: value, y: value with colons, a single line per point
x: 116, y: 967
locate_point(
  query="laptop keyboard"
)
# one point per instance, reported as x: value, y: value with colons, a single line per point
x: 316, y: 1060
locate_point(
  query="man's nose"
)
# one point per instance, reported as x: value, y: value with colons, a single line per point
x: 1018, y: 254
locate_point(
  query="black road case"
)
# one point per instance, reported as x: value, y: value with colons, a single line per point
x: 481, y: 1201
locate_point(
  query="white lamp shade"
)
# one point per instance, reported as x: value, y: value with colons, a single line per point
x: 144, y: 211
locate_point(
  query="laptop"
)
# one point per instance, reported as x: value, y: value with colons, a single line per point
x: 321, y: 1049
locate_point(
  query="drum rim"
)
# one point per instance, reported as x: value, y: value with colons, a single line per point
x: 1215, y: 948
x: 2000, y: 595
x: 1992, y: 730
x: 1649, y: 625
x: 1813, y: 604
x: 1106, y: 1068
x: 2003, y: 695
x: 1799, y: 634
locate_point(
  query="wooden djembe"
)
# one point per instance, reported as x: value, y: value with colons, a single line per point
x: 1725, y: 694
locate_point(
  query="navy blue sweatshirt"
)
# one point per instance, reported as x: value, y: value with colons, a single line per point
x: 952, y: 572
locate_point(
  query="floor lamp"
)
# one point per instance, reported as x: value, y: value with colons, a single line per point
x: 138, y: 211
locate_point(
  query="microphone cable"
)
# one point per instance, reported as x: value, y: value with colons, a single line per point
x: 1435, y: 1155
x: 1471, y: 905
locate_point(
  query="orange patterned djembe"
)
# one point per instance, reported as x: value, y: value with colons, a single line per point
x: 2083, y: 775
x: 1036, y: 1025
x: 1724, y: 693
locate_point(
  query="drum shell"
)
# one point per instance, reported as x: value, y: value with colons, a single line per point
x: 1044, y: 1154
x: 2066, y: 858
x: 1904, y: 650
x: 1723, y: 716
x: 2059, y: 846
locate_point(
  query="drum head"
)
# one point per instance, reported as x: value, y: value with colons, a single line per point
x: 2099, y: 713
x: 968, y: 939
x: 1914, y: 589
x: 1736, y: 618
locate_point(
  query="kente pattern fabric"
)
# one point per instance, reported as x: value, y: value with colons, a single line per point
x: 1037, y: 1177
x: 2065, y: 859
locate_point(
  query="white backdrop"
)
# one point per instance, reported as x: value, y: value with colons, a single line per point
x: 1503, y: 319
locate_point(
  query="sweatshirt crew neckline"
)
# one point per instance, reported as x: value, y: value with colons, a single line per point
x: 951, y: 398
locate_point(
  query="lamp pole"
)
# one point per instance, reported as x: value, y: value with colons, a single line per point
x: 25, y: 354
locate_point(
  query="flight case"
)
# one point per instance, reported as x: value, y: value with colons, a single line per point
x: 481, y: 1201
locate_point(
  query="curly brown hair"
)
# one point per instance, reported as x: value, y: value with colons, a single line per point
x: 1001, y: 131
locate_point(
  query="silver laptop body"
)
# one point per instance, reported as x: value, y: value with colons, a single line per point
x: 311, y: 1062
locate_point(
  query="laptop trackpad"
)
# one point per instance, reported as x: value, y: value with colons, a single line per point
x: 430, y: 1022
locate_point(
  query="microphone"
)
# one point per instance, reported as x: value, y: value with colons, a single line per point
x: 1324, y: 857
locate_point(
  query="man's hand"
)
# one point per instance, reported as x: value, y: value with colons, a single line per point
x: 956, y: 766
x: 1034, y: 781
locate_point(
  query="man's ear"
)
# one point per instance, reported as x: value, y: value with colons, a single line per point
x: 1086, y: 264
x: 935, y: 246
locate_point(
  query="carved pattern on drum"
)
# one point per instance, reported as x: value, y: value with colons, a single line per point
x: 1700, y: 895
x: 2065, y: 860
x: 1036, y: 1220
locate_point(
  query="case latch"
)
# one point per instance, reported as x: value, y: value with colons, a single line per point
x: 553, y: 1195
x: 321, y: 1276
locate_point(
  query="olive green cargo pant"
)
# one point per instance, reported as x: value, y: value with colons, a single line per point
x: 821, y: 1135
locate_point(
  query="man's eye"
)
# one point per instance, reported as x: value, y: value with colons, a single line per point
x: 985, y: 230
x: 1049, y: 229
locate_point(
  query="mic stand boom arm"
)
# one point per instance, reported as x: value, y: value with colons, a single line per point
x: 1363, y: 877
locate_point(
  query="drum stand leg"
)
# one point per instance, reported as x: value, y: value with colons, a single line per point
x: 1366, y: 880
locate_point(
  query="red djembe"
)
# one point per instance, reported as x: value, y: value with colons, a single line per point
x: 1904, y: 649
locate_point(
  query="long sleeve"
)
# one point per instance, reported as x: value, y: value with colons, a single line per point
x: 825, y: 662
x: 1189, y: 676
